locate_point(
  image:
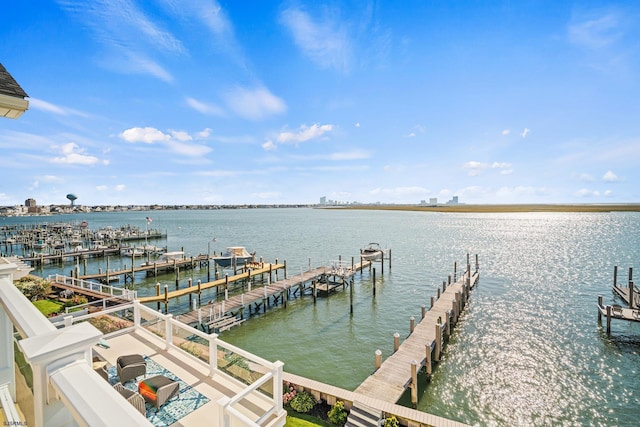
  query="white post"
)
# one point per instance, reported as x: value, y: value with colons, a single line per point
x: 194, y: 305
x: 7, y: 371
x: 136, y: 314
x: 213, y: 355
x: 168, y: 331
x: 223, y: 417
x: 277, y: 386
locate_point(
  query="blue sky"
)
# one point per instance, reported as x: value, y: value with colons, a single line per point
x: 205, y: 102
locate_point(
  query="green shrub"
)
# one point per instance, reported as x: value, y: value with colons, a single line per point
x: 34, y: 288
x: 303, y: 402
x: 337, y: 414
x: 391, y: 421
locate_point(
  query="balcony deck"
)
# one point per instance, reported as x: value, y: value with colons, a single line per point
x: 192, y: 373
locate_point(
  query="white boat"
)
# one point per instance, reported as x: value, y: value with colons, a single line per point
x: 371, y: 252
x: 131, y: 252
x: 234, y: 256
x: 167, y: 257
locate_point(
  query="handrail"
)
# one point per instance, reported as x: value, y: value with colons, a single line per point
x: 89, y: 285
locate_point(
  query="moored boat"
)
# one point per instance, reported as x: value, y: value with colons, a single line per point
x: 234, y: 256
x: 371, y: 252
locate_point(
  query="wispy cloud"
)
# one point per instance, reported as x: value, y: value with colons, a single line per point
x: 254, y: 104
x: 204, y: 107
x: 126, y: 31
x: 39, y: 104
x: 525, y: 132
x: 324, y: 40
x: 595, y: 32
x: 213, y: 17
x: 304, y: 133
x: 585, y: 192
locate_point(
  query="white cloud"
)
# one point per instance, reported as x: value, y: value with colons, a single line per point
x: 608, y: 193
x: 475, y: 168
x: 205, y: 108
x: 610, y: 177
x: 204, y: 133
x: 505, y: 132
x: 177, y: 141
x: 102, y: 187
x: 586, y: 177
x: 585, y: 192
x: 147, y: 135
x: 254, y: 104
x: 120, y: 187
x: 411, y: 135
x: 325, y: 42
x: 304, y: 133
x: 357, y: 125
x: 181, y: 136
x: 72, y: 154
x: 269, y: 146
x: 525, y: 132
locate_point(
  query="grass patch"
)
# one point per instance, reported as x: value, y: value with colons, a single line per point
x: 48, y: 307
x: 295, y: 419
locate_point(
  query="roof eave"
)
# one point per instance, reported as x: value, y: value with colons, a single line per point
x: 12, y: 107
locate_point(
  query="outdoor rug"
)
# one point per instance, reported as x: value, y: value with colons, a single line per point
x: 175, y: 408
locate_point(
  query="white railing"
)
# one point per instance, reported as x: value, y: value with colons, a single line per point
x: 126, y: 294
x: 166, y: 327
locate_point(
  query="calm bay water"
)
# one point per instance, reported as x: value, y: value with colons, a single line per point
x: 528, y: 349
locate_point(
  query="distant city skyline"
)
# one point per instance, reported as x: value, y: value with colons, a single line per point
x: 203, y: 102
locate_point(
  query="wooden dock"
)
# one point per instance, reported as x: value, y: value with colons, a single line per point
x: 425, y: 342
x: 259, y: 298
x: 631, y: 297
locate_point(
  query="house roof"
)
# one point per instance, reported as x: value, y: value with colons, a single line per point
x: 9, y: 86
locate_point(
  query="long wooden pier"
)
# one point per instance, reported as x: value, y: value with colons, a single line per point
x: 423, y: 345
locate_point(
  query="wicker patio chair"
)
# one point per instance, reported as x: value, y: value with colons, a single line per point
x: 130, y: 367
x: 158, y: 389
x: 132, y: 397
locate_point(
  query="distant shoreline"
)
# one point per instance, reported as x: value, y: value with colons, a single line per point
x: 628, y: 207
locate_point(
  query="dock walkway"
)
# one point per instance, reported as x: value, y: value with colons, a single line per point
x: 257, y: 297
x: 390, y: 380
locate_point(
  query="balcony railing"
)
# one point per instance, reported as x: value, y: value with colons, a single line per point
x: 259, y: 375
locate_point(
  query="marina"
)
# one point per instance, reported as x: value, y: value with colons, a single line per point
x: 494, y: 370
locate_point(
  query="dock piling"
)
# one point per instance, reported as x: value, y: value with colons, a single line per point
x: 396, y: 342
x: 378, y: 359
x: 414, y: 384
